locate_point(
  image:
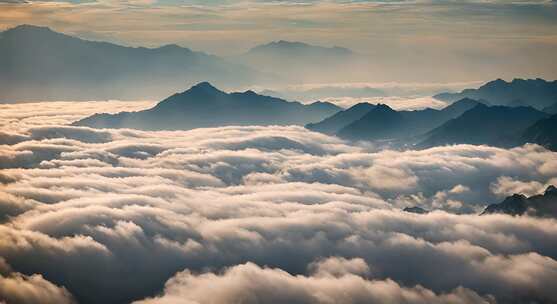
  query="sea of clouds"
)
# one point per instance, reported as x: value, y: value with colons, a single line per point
x: 260, y: 215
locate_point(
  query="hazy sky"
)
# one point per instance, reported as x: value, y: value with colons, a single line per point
x: 499, y: 37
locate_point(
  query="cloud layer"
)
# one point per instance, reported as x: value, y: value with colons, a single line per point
x: 117, y: 216
x: 249, y: 283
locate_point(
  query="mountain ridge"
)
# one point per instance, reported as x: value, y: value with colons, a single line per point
x: 499, y: 126
x: 299, y: 61
x: 333, y: 124
x: 297, y: 46
x: 380, y: 122
x: 38, y: 63
x: 203, y: 105
x: 541, y: 205
x: 537, y: 93
x: 543, y: 132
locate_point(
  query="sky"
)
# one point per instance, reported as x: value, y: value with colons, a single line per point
x: 475, y: 39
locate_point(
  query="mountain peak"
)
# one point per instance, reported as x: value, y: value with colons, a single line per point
x: 518, y: 196
x: 536, y: 205
x: 296, y: 46
x: 482, y: 107
x: 282, y: 45
x: 456, y: 108
x: 383, y: 107
x: 499, y: 81
x: 28, y: 28
x: 551, y: 189
x: 199, y: 91
x: 250, y: 92
x: 466, y: 100
x: 285, y: 43
x: 204, y: 106
x: 204, y: 86
x: 170, y: 47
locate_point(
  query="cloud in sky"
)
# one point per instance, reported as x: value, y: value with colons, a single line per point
x: 124, y: 215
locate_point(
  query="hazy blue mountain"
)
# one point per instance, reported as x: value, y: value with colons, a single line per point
x: 495, y: 126
x: 552, y: 109
x: 382, y: 122
x: 543, y: 132
x: 37, y: 63
x: 288, y: 49
x: 299, y: 61
x: 543, y: 205
x: 458, y: 108
x: 319, y: 107
x: 333, y: 124
x: 205, y: 106
x: 537, y: 93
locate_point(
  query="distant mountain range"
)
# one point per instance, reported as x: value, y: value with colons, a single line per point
x: 537, y: 93
x: 499, y: 126
x: 386, y: 123
x: 463, y: 122
x: 287, y: 49
x: 37, y: 63
x: 543, y: 205
x: 205, y: 106
x: 297, y: 60
x: 380, y: 122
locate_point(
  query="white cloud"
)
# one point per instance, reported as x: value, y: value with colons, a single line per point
x: 506, y: 186
x: 22, y: 289
x: 88, y: 209
x: 249, y: 283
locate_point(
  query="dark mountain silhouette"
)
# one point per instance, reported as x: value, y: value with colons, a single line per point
x: 551, y: 109
x: 37, y: 63
x: 543, y: 132
x: 382, y: 122
x: 543, y: 205
x: 537, y: 93
x: 415, y: 209
x: 484, y: 125
x: 205, y: 106
x: 333, y: 124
